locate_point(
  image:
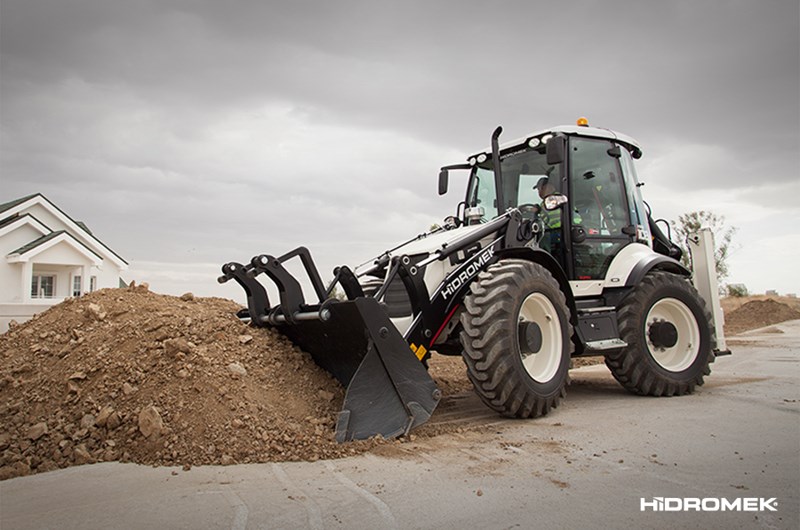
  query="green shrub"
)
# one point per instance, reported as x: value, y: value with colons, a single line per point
x: 737, y: 290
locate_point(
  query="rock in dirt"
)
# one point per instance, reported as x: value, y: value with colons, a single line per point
x: 37, y: 431
x: 325, y: 395
x: 237, y: 369
x: 87, y: 421
x: 103, y: 415
x: 82, y: 454
x: 96, y: 312
x: 176, y: 346
x: 150, y: 422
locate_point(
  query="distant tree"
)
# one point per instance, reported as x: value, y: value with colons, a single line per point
x: 692, y: 222
x: 737, y: 290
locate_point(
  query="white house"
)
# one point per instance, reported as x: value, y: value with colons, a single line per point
x: 46, y: 256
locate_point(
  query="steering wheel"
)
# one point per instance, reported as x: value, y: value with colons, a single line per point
x: 529, y: 210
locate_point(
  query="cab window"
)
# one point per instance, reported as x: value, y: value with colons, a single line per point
x: 521, y: 171
x: 598, y: 195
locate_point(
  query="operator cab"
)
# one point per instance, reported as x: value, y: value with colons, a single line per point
x: 579, y: 182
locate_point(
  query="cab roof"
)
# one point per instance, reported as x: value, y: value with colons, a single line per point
x: 570, y: 130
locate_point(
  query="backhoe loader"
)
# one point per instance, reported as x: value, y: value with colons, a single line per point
x: 551, y: 254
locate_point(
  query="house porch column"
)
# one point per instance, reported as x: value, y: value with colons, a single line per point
x: 85, y: 278
x: 27, y: 279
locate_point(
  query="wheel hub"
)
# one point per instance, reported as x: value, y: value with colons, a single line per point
x: 673, y: 334
x: 530, y: 338
x: 663, y: 334
x: 539, y: 337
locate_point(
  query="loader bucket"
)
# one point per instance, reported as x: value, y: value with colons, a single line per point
x: 389, y: 390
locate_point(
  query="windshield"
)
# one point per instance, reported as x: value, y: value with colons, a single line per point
x: 521, y: 172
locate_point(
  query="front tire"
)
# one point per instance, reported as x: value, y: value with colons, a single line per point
x: 670, y: 338
x: 517, y: 339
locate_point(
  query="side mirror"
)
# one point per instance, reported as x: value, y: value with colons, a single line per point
x: 443, y: 178
x: 444, y: 175
x: 556, y: 149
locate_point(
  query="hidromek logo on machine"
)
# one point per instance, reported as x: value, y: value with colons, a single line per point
x: 471, y: 270
x: 708, y: 504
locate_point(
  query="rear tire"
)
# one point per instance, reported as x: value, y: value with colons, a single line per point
x: 517, y: 339
x: 670, y: 338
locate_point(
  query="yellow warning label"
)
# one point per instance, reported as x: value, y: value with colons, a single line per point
x: 419, y: 351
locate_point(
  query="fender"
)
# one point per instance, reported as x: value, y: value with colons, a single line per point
x: 634, y: 261
x: 547, y: 261
x: 656, y: 261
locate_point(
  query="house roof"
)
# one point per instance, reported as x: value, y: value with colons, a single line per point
x: 10, y: 219
x: 17, y: 202
x: 13, y: 221
x: 37, y: 243
x: 8, y: 206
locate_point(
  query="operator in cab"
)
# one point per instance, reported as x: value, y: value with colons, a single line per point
x: 552, y: 239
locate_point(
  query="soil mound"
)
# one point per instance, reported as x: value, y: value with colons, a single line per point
x: 129, y: 375
x: 757, y: 314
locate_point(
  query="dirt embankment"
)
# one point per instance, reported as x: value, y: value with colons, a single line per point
x: 129, y: 375
x: 746, y: 313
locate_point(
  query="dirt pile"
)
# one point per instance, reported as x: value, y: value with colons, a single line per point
x: 757, y: 314
x: 129, y: 375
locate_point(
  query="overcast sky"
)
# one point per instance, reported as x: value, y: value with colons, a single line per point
x: 188, y: 133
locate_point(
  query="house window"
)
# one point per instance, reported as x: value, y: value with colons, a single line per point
x: 76, y: 286
x: 92, y: 284
x: 43, y: 286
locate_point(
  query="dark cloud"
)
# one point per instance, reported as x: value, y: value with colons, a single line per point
x: 381, y: 64
x: 206, y: 125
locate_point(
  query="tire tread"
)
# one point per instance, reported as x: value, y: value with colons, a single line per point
x: 489, y: 348
x: 632, y: 366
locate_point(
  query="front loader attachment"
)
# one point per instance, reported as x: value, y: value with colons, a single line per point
x: 389, y: 391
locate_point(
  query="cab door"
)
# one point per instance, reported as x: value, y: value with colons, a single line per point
x: 599, y: 206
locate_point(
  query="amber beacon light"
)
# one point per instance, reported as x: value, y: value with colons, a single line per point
x: 582, y: 122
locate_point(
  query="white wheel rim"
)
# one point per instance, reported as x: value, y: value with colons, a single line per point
x: 543, y: 365
x: 683, y: 353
